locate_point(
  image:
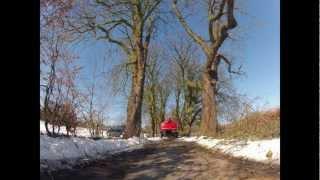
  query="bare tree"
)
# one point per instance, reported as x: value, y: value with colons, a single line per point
x: 185, y: 72
x: 52, y: 51
x: 164, y: 92
x: 157, y: 89
x: 128, y: 24
x: 220, y: 18
x: 51, y: 55
x: 94, y: 116
x: 151, y: 101
x: 71, y: 102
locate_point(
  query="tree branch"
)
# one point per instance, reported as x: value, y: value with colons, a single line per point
x: 123, y: 21
x: 112, y: 40
x: 231, y: 21
x: 150, y: 29
x: 151, y: 10
x: 239, y: 72
x: 212, y: 17
x: 192, y: 34
x: 220, y: 11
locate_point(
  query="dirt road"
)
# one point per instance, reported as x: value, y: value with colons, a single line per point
x: 169, y: 160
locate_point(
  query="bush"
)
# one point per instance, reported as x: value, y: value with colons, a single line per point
x: 57, y: 115
x: 256, y: 125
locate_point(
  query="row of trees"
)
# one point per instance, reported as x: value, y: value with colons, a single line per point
x: 131, y: 25
x: 157, y: 88
x: 62, y: 101
x: 176, y: 78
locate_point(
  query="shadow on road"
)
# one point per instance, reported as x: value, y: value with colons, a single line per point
x: 168, y: 160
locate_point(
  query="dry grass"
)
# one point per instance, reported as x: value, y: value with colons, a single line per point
x: 256, y: 125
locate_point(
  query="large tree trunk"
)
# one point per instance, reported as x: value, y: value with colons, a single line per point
x: 208, y: 126
x: 133, y: 126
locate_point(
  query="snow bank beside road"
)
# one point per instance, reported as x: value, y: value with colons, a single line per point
x: 58, y: 153
x: 262, y: 150
x: 83, y: 132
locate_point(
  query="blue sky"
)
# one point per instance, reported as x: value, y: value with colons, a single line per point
x: 258, y: 49
x: 262, y: 53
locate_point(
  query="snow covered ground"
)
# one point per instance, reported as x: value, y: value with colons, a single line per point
x: 82, y: 132
x: 62, y: 152
x: 154, y: 138
x: 267, y: 151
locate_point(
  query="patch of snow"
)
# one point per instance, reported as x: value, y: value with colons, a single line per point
x: 62, y: 152
x: 154, y: 138
x: 261, y: 150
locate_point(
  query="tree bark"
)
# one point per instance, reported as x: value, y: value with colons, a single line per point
x: 208, y: 124
x: 133, y: 126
